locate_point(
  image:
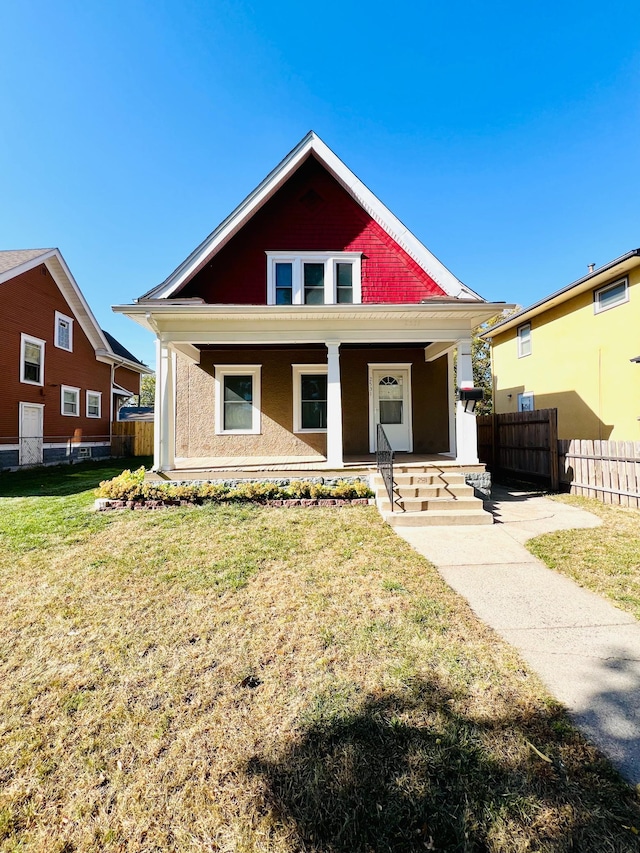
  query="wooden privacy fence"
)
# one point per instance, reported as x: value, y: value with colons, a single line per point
x: 132, y: 438
x: 607, y: 470
x: 521, y: 444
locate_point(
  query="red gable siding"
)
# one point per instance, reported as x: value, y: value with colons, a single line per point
x: 310, y: 213
x: 29, y: 303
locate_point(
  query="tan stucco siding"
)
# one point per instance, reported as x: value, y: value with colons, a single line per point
x: 579, y: 364
x: 195, y: 402
x: 195, y: 406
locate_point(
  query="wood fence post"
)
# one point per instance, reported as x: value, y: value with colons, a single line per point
x: 554, y: 468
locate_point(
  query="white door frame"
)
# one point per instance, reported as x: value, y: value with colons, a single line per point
x: 390, y: 366
x: 20, y: 436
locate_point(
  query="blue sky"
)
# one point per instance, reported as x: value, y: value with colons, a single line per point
x: 507, y: 137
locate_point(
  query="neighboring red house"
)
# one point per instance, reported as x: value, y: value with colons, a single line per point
x: 307, y: 318
x: 63, y: 378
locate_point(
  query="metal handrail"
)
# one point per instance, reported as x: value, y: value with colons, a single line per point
x: 384, y: 462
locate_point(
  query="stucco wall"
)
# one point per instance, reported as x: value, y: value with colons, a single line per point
x: 195, y: 402
x: 579, y: 364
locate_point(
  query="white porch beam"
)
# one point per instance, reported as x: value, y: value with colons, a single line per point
x: 334, y: 406
x: 189, y: 351
x: 466, y: 434
x: 438, y: 348
x: 289, y: 335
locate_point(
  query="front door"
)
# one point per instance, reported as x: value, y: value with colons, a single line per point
x: 390, y: 401
x: 31, y: 432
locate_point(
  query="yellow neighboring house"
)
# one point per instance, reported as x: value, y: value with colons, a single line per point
x: 577, y: 351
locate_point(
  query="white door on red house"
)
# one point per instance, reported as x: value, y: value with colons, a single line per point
x: 31, y: 433
x: 391, y: 405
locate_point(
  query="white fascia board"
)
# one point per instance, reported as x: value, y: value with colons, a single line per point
x: 354, y: 186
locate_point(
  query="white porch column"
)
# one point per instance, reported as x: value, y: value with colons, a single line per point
x: 451, y: 402
x: 164, y: 439
x: 334, y: 406
x: 466, y: 435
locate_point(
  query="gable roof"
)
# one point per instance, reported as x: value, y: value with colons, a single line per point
x: 311, y: 145
x: 13, y: 258
x: 617, y: 267
x: 14, y: 262
x: 121, y: 350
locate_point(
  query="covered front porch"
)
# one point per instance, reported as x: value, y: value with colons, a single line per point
x: 305, y: 387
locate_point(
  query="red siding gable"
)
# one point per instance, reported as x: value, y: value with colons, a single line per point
x: 310, y: 213
x: 29, y: 303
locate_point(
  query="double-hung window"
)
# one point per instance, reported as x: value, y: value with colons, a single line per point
x: 309, y: 397
x: 237, y: 400
x: 524, y: 340
x: 314, y: 278
x: 70, y: 401
x: 94, y: 404
x: 610, y: 295
x: 63, y: 338
x: 31, y: 360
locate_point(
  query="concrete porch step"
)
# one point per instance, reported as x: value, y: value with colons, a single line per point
x: 426, y: 497
x: 433, y: 518
x: 439, y: 505
x: 429, y: 492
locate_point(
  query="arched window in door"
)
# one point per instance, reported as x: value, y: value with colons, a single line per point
x: 390, y: 400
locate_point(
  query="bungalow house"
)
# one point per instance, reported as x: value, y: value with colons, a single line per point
x: 63, y: 377
x: 307, y: 318
x: 575, y: 351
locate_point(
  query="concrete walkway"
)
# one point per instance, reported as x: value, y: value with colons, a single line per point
x: 585, y: 650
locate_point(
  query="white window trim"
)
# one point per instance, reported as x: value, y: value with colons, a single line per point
x: 300, y: 370
x: 25, y: 339
x: 526, y: 395
x: 97, y: 394
x: 222, y: 370
x: 522, y: 354
x: 329, y: 259
x: 598, y: 308
x: 64, y: 388
x: 69, y: 320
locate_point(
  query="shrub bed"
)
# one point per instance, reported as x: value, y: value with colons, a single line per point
x: 130, y: 490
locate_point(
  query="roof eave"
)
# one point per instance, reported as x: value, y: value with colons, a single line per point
x: 592, y: 279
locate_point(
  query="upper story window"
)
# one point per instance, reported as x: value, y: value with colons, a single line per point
x: 64, y: 332
x: 610, y: 295
x: 524, y: 340
x: 31, y: 360
x: 314, y: 278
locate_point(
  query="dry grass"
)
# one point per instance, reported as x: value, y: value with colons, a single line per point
x: 604, y: 559
x: 258, y: 679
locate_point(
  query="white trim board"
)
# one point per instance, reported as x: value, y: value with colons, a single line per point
x: 312, y: 144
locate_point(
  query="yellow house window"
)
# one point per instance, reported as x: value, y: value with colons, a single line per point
x: 610, y: 295
x: 524, y: 340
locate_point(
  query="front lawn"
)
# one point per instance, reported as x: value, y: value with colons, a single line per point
x: 245, y: 678
x: 604, y: 559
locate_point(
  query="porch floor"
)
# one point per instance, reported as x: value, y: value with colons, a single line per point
x: 249, y: 467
